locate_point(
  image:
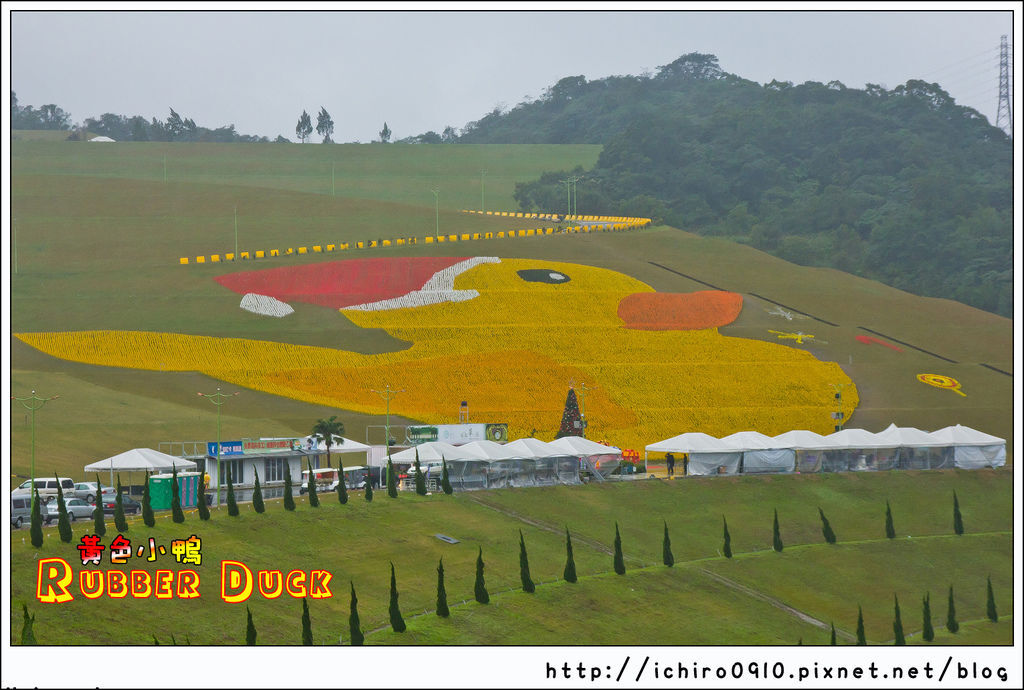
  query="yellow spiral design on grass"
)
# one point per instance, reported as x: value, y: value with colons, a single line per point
x: 941, y: 381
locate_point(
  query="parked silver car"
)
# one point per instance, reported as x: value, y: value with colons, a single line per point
x: 77, y: 509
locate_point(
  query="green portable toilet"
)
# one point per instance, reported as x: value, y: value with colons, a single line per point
x: 160, y: 493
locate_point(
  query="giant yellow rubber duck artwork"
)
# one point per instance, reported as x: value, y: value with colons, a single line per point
x: 508, y: 335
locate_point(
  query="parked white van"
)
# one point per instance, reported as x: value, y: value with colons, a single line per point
x: 46, y: 487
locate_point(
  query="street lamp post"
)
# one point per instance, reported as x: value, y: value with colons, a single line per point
x: 217, y: 399
x: 387, y: 394
x: 435, y: 192
x: 236, y: 233
x: 33, y: 403
x: 482, y: 173
x: 568, y: 195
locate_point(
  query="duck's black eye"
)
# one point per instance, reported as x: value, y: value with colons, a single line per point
x: 542, y: 275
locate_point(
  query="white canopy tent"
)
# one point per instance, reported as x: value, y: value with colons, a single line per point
x: 919, y: 450
x: 760, y: 453
x: 973, y: 449
x: 530, y: 448
x: 707, y: 454
x: 859, y: 450
x: 140, y: 460
x: 433, y: 450
x: 339, y: 445
x: 600, y: 459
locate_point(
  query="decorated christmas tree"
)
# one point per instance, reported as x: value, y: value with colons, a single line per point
x: 572, y: 422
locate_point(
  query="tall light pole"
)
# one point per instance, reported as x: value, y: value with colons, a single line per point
x: 482, y: 173
x: 568, y: 195
x: 217, y: 399
x: 435, y: 192
x: 236, y: 233
x: 14, y: 239
x: 387, y: 394
x: 33, y: 403
x: 575, y: 208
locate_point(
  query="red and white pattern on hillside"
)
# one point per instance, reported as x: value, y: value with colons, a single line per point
x: 340, y: 284
x: 440, y: 288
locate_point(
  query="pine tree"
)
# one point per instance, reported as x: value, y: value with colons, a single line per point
x: 250, y: 629
x: 342, y: 488
x: 289, y: 500
x: 353, y: 618
x: 524, y: 567
x: 890, y: 531
x: 201, y: 505
x: 28, y: 636
x: 442, y: 594
x: 927, y: 631
x: 617, y: 561
x: 147, y: 506
x: 63, y: 524
x: 99, y: 525
x: 307, y: 627
x: 232, y: 504
x: 479, y: 589
x: 569, y: 574
x: 958, y: 520
x: 666, y: 549
x: 176, y: 513
x: 257, y: 493
x: 826, y: 528
x: 572, y: 422
x: 314, y: 500
x: 776, y: 537
x: 119, y: 522
x: 397, y: 622
x: 727, y: 540
x: 832, y: 638
x: 951, y: 624
x: 861, y: 639
x: 897, y: 624
x: 368, y: 488
x: 446, y: 484
x: 990, y: 603
x: 392, y: 480
x: 421, y: 481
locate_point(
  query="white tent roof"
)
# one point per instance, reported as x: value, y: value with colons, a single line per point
x: 860, y: 438
x: 433, y: 450
x: 911, y: 437
x: 749, y: 440
x: 965, y: 436
x: 139, y: 459
x: 692, y: 442
x: 801, y: 439
x: 346, y: 445
x: 102, y: 139
x: 531, y: 448
x: 576, y: 445
x: 488, y: 450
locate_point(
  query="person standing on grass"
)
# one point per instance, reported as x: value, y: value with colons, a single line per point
x: 671, y: 461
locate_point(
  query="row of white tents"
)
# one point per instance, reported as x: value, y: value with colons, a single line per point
x: 750, y: 452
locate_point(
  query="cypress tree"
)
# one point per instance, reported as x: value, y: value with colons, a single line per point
x: 99, y: 525
x: 727, y: 540
x: 155, y: 641
x: 368, y: 489
x: 119, y: 522
x: 289, y: 500
x: 958, y: 520
x: 442, y: 594
x: 147, y: 506
x: 232, y: 504
x: 617, y: 562
x: 342, y: 489
x: 990, y: 603
x: 826, y: 528
x: 257, y: 493
x: 392, y: 480
x: 63, y: 524
x: 353, y: 619
x: 421, y: 481
x: 569, y: 574
x: 28, y: 636
x: 890, y: 531
x: 204, y: 510
x: 397, y: 622
x: 479, y: 590
x: 800, y: 642
x: 446, y: 485
x: 307, y: 627
x: 776, y: 537
x: 176, y: 513
x: 314, y: 500
x: 524, y: 567
x: 250, y: 629
x: 897, y: 624
x: 861, y: 639
x: 666, y: 549
x: 951, y: 624
x: 832, y: 638
x: 927, y: 631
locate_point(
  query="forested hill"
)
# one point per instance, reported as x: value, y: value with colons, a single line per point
x: 902, y: 186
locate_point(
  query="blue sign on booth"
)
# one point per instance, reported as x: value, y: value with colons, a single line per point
x: 226, y: 448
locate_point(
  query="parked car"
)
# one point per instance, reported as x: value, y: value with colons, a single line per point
x: 45, y: 487
x: 76, y: 507
x: 131, y: 506
x: 21, y: 509
x: 87, y: 491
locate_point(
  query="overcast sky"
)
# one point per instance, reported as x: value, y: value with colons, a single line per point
x: 420, y: 71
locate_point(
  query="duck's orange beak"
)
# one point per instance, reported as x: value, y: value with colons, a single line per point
x: 674, y: 311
